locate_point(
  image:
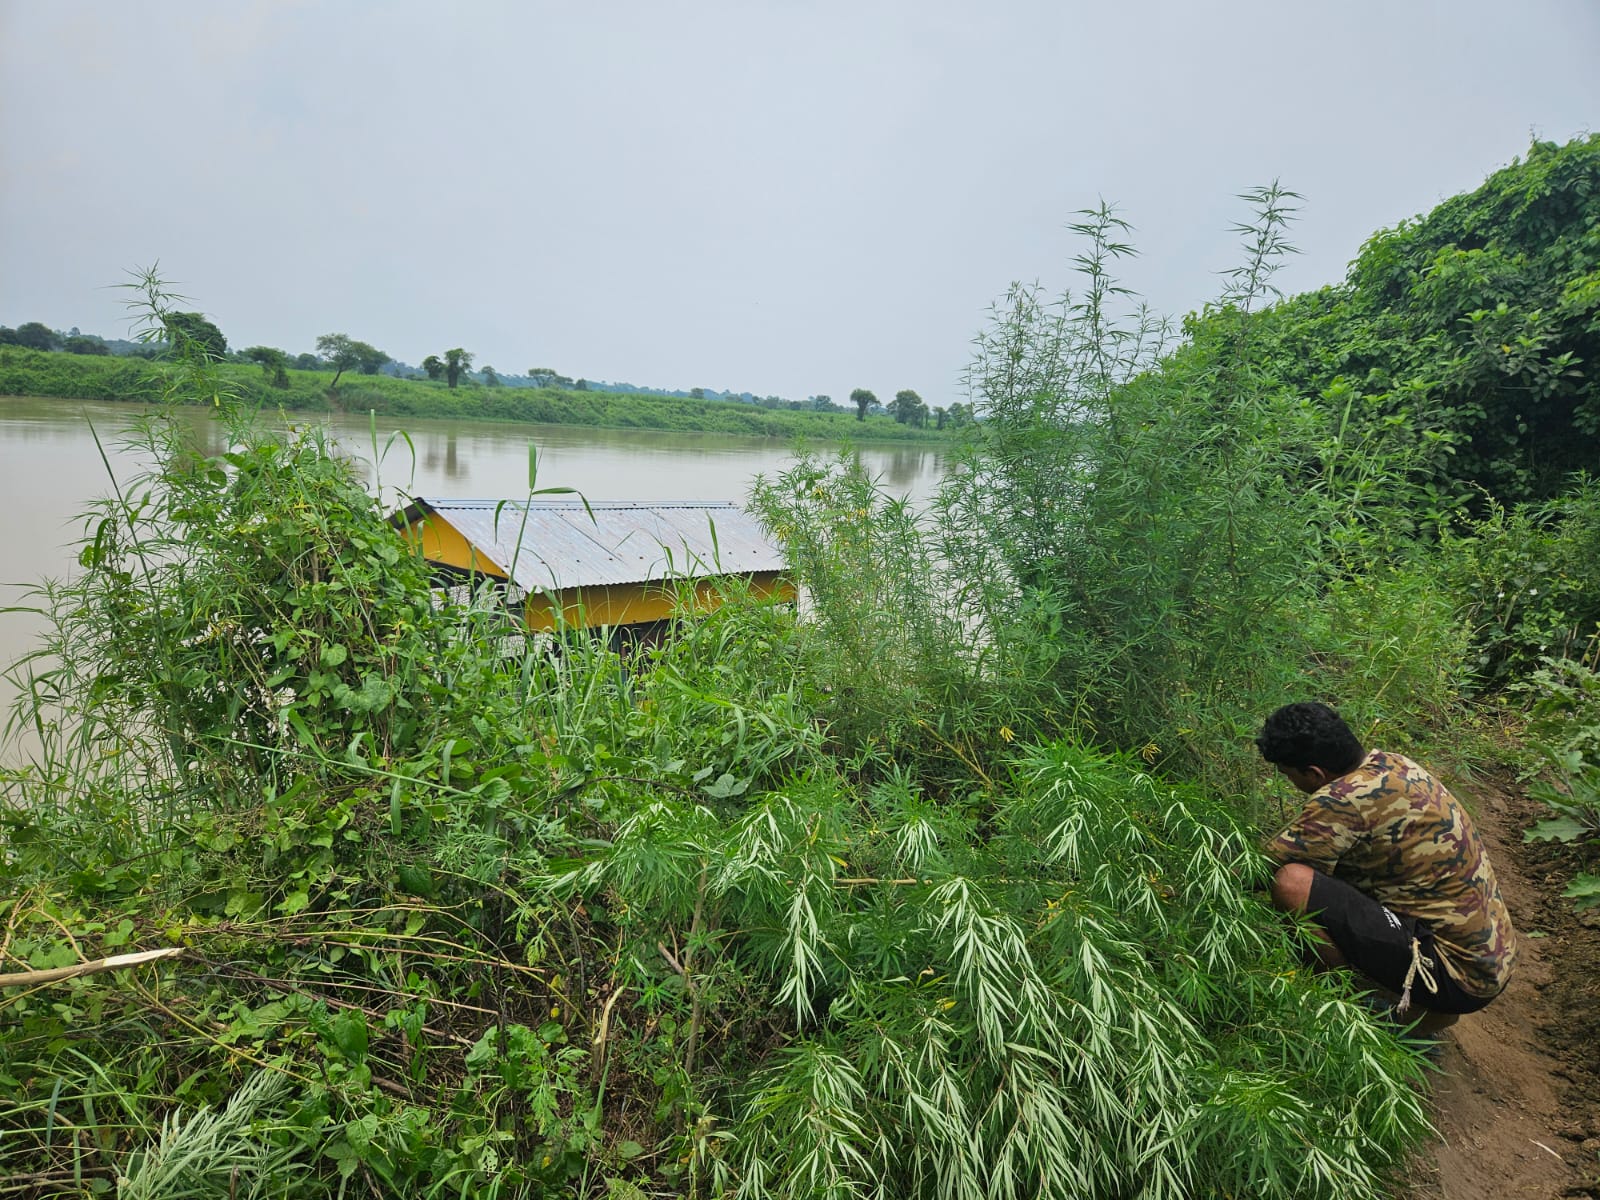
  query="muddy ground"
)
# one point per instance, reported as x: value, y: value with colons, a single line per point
x: 1517, y: 1102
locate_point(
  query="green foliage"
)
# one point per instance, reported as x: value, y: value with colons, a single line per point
x: 895, y: 1001
x: 285, y: 616
x: 456, y: 362
x: 31, y: 335
x: 274, y: 364
x: 908, y: 408
x: 1529, y: 579
x: 1564, y: 727
x: 192, y: 335
x: 1195, y: 541
x: 464, y: 924
x: 204, y: 1154
x: 76, y: 376
x: 889, y: 645
x: 262, y: 737
x: 84, y: 344
x: 343, y: 353
x: 1480, y: 320
x: 828, y: 903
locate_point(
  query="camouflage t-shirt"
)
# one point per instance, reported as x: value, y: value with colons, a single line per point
x: 1392, y: 831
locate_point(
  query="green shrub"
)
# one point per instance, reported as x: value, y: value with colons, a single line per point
x: 898, y: 668
x: 1564, y: 726
x: 885, y: 994
x: 1197, y: 542
x: 1529, y: 581
x: 552, y: 923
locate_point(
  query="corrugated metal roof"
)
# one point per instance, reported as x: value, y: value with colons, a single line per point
x: 559, y: 544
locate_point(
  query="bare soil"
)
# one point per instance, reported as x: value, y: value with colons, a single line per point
x: 1517, y: 1101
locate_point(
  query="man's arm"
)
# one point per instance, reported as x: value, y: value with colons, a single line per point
x: 1319, y: 836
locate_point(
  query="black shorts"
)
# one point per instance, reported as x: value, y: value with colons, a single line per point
x: 1377, y: 942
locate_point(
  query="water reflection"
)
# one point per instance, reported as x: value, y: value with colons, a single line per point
x: 904, y: 467
x: 448, y: 466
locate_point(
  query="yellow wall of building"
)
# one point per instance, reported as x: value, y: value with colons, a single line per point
x: 444, y: 544
x: 636, y: 603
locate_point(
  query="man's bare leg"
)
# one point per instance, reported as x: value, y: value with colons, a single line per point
x: 1291, y: 892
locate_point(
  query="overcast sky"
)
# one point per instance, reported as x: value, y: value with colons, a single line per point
x: 780, y: 197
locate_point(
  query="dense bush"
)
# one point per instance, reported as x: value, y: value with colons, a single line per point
x: 1481, y: 320
x: 1564, y: 727
x: 817, y: 904
x: 1529, y: 581
x: 552, y: 924
x: 1175, y: 544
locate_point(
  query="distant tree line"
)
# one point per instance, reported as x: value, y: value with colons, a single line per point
x: 196, y: 333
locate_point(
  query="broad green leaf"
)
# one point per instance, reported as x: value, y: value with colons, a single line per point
x: 350, y: 1035
x: 725, y: 787
x: 1585, y: 889
x: 415, y: 880
x: 1556, y: 829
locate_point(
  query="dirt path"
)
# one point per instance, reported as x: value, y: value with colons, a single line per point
x: 1518, y: 1103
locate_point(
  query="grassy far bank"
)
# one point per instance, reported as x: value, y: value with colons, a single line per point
x: 950, y: 887
x: 25, y: 372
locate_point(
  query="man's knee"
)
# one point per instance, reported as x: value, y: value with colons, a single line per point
x: 1291, y: 887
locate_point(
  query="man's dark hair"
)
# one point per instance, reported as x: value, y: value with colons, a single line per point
x: 1309, y: 734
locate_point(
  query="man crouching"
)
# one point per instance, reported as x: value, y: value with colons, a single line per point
x: 1386, y: 862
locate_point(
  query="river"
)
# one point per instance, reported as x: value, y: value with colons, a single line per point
x: 53, y: 469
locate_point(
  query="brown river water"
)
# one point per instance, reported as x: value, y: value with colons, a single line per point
x: 51, y: 469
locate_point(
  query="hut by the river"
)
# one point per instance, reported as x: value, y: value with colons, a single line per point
x: 621, y: 564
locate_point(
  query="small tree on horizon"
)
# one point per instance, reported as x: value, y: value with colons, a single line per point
x: 370, y: 359
x: 193, y: 332
x: 85, y: 343
x: 33, y: 335
x: 456, y: 362
x: 344, y: 353
x: 274, y: 364
x: 906, y: 406
x: 863, y: 400
x: 339, y: 351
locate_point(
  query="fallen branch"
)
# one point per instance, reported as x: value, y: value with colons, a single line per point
x: 115, y: 963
